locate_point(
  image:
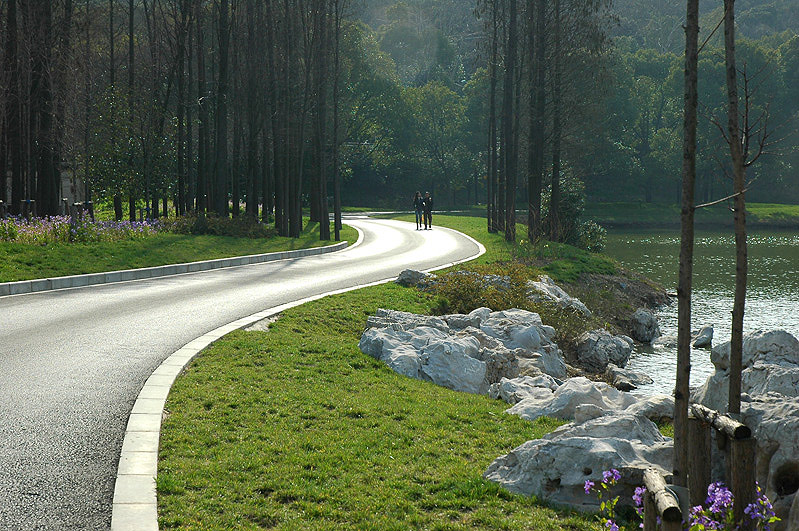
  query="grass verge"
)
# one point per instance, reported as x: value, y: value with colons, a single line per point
x: 563, y: 263
x: 295, y: 428
x: 27, y: 262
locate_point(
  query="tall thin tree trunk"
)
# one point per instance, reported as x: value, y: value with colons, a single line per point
x: 537, y: 111
x: 739, y: 184
x: 13, y: 109
x: 508, y: 120
x: 222, y: 164
x: 336, y: 170
x: 557, y: 131
x: 131, y: 104
x: 491, y: 191
x: 321, y: 102
x: 203, y: 134
x: 681, y: 391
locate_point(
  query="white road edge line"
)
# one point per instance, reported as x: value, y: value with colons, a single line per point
x: 135, y: 504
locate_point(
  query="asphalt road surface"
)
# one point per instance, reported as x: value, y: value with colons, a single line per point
x: 73, y: 361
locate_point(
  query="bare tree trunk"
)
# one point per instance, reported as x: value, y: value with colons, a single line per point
x: 681, y: 392
x: 13, y: 110
x: 222, y: 164
x: 337, y: 225
x: 203, y: 134
x: 508, y: 120
x: 491, y: 200
x: 557, y: 131
x: 321, y: 103
x: 537, y: 110
x: 739, y: 183
x: 48, y: 177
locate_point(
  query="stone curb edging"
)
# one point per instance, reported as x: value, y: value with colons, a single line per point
x: 92, y: 279
x: 135, y: 504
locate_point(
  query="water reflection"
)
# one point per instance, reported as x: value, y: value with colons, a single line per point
x: 772, y: 291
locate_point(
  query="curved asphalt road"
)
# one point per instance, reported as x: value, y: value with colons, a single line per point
x: 72, y: 362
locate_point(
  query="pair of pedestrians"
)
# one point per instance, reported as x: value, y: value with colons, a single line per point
x: 424, y: 210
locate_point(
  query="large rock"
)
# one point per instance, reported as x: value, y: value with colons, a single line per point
x: 546, y: 289
x: 452, y: 363
x: 770, y: 364
x: 625, y: 380
x: 657, y: 408
x: 515, y: 390
x: 644, y: 326
x: 556, y: 467
x: 774, y: 420
x: 704, y: 339
x: 404, y: 320
x: 451, y: 351
x: 523, y: 333
x: 597, y: 348
x: 411, y: 278
x: 563, y: 402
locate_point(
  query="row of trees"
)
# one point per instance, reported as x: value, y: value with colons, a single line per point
x: 542, y: 57
x: 212, y: 103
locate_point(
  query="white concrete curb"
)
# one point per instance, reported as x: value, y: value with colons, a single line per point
x: 76, y: 281
x: 135, y: 505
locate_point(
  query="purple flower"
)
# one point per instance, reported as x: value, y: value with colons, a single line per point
x: 588, y: 486
x: 610, y: 524
x: 638, y: 496
x: 611, y: 476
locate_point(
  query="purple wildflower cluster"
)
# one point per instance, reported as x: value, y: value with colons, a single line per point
x: 606, y: 507
x: 61, y: 229
x: 719, y: 514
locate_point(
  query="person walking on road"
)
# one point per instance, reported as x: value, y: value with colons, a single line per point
x: 428, y: 211
x: 418, y: 206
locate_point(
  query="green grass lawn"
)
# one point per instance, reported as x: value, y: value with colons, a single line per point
x: 295, y: 428
x: 26, y: 262
x: 661, y: 215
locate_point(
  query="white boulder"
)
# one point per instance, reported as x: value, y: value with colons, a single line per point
x: 597, y: 348
x: 453, y: 352
x: 574, y: 392
x: 546, y: 289
x: 704, y: 339
x: 770, y: 364
x: 556, y: 467
x: 515, y: 390
x: 626, y: 380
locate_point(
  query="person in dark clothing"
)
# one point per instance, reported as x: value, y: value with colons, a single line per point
x: 428, y: 211
x: 418, y: 206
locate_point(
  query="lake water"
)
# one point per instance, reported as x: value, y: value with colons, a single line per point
x: 772, y: 292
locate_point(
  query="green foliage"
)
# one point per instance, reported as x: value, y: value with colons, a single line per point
x: 240, y: 227
x: 464, y: 290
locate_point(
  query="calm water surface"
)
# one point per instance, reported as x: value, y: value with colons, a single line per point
x: 772, y: 291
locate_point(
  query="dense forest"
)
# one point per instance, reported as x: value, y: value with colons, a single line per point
x: 266, y: 108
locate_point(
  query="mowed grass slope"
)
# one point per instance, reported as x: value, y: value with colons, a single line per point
x: 295, y: 428
x: 25, y: 262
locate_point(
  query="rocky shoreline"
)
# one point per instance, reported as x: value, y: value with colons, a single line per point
x: 512, y: 355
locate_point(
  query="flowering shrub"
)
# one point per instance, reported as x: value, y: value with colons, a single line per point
x: 59, y: 229
x: 717, y: 515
